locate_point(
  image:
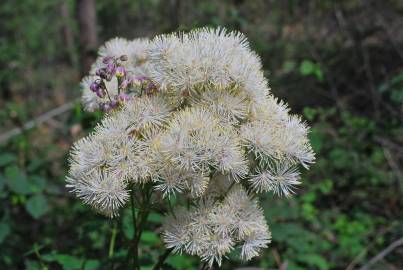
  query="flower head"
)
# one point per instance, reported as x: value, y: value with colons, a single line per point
x: 191, y: 116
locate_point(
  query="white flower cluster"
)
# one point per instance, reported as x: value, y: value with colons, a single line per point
x: 208, y: 129
x: 211, y: 229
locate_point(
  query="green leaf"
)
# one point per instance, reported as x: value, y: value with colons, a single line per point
x: 92, y: 265
x: 378, y: 156
x: 154, y: 218
x: 288, y: 66
x: 7, y: 158
x: 389, y: 84
x: 397, y: 96
x: 35, y: 164
x: 149, y: 238
x: 32, y: 265
x: 37, y: 206
x: 317, y: 138
x: 180, y: 261
x: 307, y: 67
x: 310, y: 113
x: 36, y: 184
x: 314, y: 260
x: 2, y: 182
x: 66, y: 261
x: 319, y: 74
x: 326, y: 186
x: 16, y: 180
x: 4, y: 231
x: 340, y: 158
x: 128, y: 228
x: 309, y: 197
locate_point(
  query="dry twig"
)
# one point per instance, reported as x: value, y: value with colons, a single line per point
x: 382, y: 254
x: 41, y: 119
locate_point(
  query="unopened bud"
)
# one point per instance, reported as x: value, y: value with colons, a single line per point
x: 113, y: 104
x: 100, y: 93
x: 120, y: 72
x: 105, y: 107
x: 110, y: 68
x: 101, y: 73
x: 107, y: 59
x: 125, y: 83
x: 122, y: 97
x: 94, y: 87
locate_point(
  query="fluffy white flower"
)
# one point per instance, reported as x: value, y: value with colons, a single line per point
x: 175, y: 230
x: 190, y: 140
x: 196, y: 141
x: 190, y: 115
x: 100, y: 190
x: 203, y: 59
x: 281, y: 178
x: 145, y: 113
x: 286, y: 139
x: 227, y: 104
x: 254, y: 242
x: 212, y: 230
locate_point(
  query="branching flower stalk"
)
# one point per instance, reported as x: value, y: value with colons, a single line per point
x: 190, y: 129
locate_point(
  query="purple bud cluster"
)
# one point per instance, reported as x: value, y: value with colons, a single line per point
x: 98, y: 87
x: 112, y: 67
x: 115, y: 102
x: 130, y: 81
x: 107, y: 106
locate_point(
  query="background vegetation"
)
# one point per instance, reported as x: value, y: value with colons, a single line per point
x: 339, y: 63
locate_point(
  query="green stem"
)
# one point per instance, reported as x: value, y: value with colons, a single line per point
x: 142, y: 218
x: 38, y: 255
x: 112, y: 242
x: 140, y: 228
x: 134, y: 247
x: 106, y: 90
x: 162, y: 259
x: 133, y: 209
x: 170, y: 207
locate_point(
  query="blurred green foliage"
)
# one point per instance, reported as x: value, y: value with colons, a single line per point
x: 331, y: 60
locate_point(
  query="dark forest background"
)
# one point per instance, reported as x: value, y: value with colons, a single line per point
x: 338, y: 63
